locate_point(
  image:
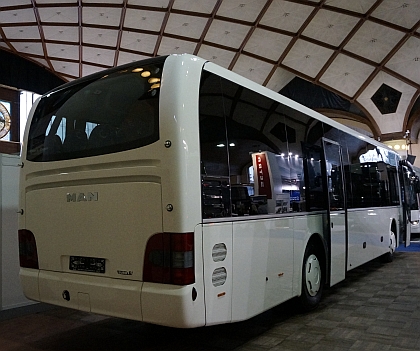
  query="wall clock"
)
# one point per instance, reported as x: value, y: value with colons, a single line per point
x: 5, y: 121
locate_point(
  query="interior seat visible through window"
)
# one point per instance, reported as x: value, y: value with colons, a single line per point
x: 102, y: 135
x: 76, y: 140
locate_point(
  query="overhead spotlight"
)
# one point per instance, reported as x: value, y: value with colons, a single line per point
x: 153, y: 80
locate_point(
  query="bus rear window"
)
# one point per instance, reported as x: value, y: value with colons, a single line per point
x: 113, y: 113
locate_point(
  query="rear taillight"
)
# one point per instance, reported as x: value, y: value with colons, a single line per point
x: 28, y: 255
x: 169, y: 259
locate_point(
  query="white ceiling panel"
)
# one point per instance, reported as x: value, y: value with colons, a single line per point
x: 245, y: 10
x: 15, y: 2
x: 17, y: 16
x: 330, y: 27
x: 100, y: 36
x: 280, y: 79
x: 105, y: 16
x: 114, y: 2
x: 253, y: 69
x: 404, y: 13
x: 68, y: 68
x: 51, y: 2
x: 61, y: 33
x: 360, y: 6
x: 59, y: 14
x: 138, y: 42
x: 227, y: 33
x: 29, y: 48
x: 407, y: 60
x: 41, y: 61
x: 346, y: 74
x: 98, y: 56
x: 200, y: 6
x: 145, y: 20
x: 218, y: 56
x: 175, y: 46
x: 88, y: 69
x: 27, y: 32
x: 307, y: 57
x: 127, y: 57
x: 267, y: 44
x: 286, y: 15
x: 186, y: 26
x: 151, y: 3
x: 374, y: 41
x: 70, y: 52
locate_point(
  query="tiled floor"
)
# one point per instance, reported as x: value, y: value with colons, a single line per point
x: 376, y: 308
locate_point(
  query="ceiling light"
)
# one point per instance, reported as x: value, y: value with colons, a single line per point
x: 220, y: 145
x: 155, y: 86
x: 145, y: 74
x: 153, y: 80
x: 135, y: 70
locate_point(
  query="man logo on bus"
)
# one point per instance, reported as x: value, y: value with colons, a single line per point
x: 74, y: 197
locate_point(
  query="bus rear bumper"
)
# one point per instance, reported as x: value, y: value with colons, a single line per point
x: 173, y: 306
x: 169, y: 305
x: 102, y: 295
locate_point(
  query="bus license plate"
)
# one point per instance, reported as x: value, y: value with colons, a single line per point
x: 87, y: 264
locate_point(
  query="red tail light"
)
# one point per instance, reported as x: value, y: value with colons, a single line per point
x: 169, y: 259
x: 28, y: 255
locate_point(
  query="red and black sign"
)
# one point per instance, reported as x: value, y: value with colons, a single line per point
x: 263, y: 176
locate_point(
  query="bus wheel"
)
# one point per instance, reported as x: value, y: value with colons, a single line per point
x: 389, y: 256
x: 312, y: 279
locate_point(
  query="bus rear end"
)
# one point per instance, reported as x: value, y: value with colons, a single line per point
x: 92, y: 230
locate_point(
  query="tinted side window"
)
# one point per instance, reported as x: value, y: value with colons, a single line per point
x: 371, y: 179
x: 252, y: 152
x: 213, y: 149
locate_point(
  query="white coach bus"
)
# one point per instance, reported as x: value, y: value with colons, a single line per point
x: 173, y: 191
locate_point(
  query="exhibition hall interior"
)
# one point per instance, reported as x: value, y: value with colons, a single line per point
x: 348, y: 73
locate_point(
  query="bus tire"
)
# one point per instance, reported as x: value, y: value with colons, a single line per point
x: 312, y: 278
x: 389, y: 256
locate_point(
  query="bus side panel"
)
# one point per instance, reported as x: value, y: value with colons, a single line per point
x: 218, y: 274
x: 368, y: 234
x: 338, y: 266
x: 263, y: 265
x: 174, y: 305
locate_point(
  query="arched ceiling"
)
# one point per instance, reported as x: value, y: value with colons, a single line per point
x: 367, y: 51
